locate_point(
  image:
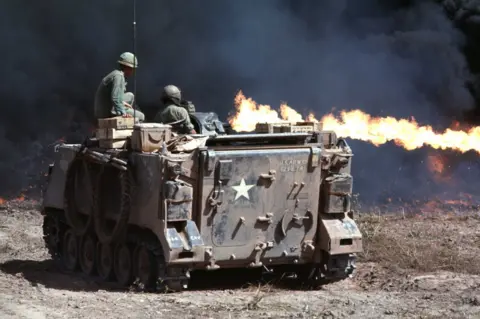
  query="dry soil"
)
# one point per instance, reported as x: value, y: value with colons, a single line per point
x: 413, y: 267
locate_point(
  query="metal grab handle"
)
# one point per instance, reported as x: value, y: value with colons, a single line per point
x: 298, y: 218
x: 270, y: 175
x: 265, y: 219
x: 216, y: 199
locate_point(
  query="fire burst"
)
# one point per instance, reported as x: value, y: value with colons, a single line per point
x: 359, y: 125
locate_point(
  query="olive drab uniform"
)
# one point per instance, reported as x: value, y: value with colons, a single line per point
x: 176, y: 116
x: 173, y: 113
x: 110, y: 95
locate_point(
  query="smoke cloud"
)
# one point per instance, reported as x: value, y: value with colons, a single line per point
x: 403, y: 59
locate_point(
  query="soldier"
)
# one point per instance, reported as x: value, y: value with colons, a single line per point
x: 173, y: 113
x: 111, y: 99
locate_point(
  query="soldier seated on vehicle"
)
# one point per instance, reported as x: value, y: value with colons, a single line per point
x: 111, y: 99
x: 174, y: 113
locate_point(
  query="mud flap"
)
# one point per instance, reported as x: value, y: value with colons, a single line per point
x: 187, y: 239
x: 173, y: 238
x: 185, y: 245
x: 184, y: 239
x: 193, y: 235
x: 339, y: 236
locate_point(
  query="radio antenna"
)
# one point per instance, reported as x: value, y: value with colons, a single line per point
x: 135, y: 54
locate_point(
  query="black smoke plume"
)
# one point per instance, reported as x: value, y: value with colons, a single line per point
x: 398, y: 58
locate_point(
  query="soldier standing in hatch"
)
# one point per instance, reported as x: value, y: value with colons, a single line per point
x: 173, y: 113
x: 111, y: 99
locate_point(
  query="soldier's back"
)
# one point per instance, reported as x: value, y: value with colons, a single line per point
x: 103, y: 103
x: 171, y: 113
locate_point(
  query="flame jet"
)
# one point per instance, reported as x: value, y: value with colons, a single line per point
x: 359, y: 125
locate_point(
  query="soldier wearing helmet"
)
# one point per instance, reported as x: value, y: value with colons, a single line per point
x: 173, y: 112
x: 111, y: 99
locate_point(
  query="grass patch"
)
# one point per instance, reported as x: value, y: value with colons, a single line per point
x: 421, y: 243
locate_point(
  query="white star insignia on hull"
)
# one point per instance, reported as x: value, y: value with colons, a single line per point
x: 242, y: 190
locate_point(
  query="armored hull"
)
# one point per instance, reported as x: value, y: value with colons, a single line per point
x: 161, y: 206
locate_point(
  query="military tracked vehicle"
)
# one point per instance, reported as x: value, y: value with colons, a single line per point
x: 137, y: 203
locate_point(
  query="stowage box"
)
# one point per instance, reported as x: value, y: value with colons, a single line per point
x: 149, y: 137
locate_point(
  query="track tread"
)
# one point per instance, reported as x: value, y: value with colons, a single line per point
x: 124, y: 210
x: 71, y: 213
x: 151, y: 243
x: 57, y: 219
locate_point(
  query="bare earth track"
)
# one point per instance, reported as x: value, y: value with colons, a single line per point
x: 413, y: 267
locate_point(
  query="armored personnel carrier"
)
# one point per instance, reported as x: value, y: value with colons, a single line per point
x: 137, y: 203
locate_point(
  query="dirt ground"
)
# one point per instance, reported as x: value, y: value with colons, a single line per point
x: 413, y: 267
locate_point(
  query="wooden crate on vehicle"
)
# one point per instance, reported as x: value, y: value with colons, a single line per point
x: 270, y: 127
x: 110, y: 143
x: 112, y: 134
x: 117, y: 122
x: 284, y: 127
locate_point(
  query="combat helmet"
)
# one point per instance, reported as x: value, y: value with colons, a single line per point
x: 128, y: 59
x: 172, y: 92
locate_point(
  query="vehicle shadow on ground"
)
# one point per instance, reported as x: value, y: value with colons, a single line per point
x: 50, y: 274
x: 242, y: 279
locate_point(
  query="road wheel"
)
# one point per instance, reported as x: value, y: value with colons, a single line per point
x: 105, y: 261
x: 87, y: 254
x: 145, y: 268
x: 123, y: 265
x: 70, y: 250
